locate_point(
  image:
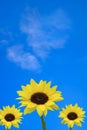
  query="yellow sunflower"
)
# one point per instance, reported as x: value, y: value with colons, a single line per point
x: 39, y: 96
x: 72, y: 115
x: 10, y: 116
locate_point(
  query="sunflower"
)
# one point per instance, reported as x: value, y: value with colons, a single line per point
x: 72, y: 115
x: 10, y: 116
x: 39, y: 97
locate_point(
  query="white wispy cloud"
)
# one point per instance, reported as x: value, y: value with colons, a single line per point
x: 59, y: 20
x: 43, y: 34
x: 3, y: 41
x: 6, y: 37
x: 46, y: 32
x: 24, y: 59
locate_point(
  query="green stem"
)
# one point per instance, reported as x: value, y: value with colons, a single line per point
x: 70, y: 128
x: 8, y: 129
x: 43, y: 123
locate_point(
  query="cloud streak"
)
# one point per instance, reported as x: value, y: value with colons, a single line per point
x: 3, y: 41
x: 24, y: 59
x: 43, y: 34
x: 46, y: 33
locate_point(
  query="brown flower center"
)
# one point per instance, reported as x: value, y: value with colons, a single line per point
x: 39, y: 98
x: 9, y: 117
x: 72, y: 116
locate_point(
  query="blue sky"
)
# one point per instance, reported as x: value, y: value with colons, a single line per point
x: 44, y: 40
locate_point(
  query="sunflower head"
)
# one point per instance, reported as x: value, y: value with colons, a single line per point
x: 10, y: 116
x: 72, y: 115
x: 39, y: 96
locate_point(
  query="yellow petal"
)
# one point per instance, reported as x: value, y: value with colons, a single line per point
x: 28, y: 110
x: 40, y: 109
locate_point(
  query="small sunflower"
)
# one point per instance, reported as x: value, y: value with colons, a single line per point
x: 39, y: 96
x: 10, y: 116
x: 72, y: 115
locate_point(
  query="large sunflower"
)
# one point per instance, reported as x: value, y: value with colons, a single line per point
x: 10, y: 116
x: 39, y: 96
x: 72, y: 115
